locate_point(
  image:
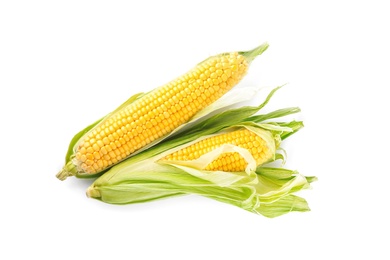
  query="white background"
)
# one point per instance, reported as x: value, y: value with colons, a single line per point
x: 64, y: 64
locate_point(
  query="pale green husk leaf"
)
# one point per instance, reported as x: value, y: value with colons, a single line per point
x: 265, y: 191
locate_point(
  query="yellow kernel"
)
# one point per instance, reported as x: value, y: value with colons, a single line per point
x: 103, y: 150
x: 83, y: 166
x: 112, y: 154
x: 83, y: 158
x: 141, y: 120
x: 110, y: 139
x: 108, y: 148
x: 83, y: 150
x: 96, y: 147
x: 100, y: 143
x: 122, y: 141
x: 193, y: 95
x: 194, y: 85
x: 89, y: 162
x: 115, y: 136
x: 148, y: 124
x: 139, y: 129
x: 78, y: 156
x: 96, y: 155
x: 95, y: 166
x: 100, y: 163
x: 89, y: 156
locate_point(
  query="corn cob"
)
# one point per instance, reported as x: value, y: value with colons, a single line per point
x: 156, y: 114
x: 231, y: 161
x: 177, y: 165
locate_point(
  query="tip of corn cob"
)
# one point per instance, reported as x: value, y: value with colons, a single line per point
x: 62, y: 175
x: 93, y: 193
x: 68, y: 170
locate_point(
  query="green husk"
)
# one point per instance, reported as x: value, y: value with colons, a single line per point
x: 262, y: 190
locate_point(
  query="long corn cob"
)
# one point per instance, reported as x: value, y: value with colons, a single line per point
x: 230, y: 161
x: 154, y: 115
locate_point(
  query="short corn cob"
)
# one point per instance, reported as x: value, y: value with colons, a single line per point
x: 231, y: 162
x: 157, y: 113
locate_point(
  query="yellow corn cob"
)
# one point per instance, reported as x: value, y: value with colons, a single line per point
x: 156, y: 113
x: 232, y: 161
